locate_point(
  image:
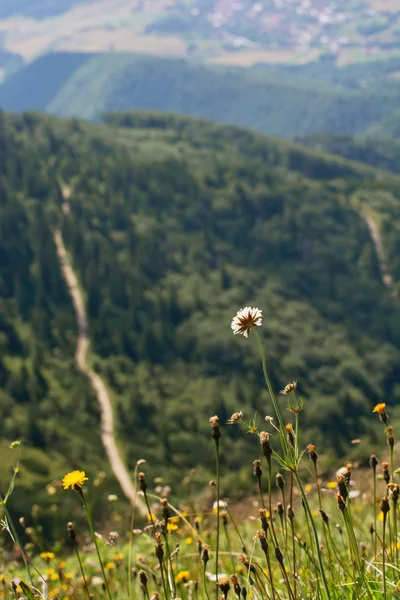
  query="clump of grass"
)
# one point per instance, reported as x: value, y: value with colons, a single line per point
x: 307, y: 539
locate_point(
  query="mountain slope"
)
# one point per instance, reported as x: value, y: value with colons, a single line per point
x: 279, y: 103
x: 172, y: 225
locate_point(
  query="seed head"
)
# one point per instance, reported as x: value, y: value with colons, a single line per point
x: 324, y: 516
x: 235, y: 417
x: 289, y: 388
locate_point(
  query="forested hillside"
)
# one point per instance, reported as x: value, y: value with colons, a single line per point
x: 277, y: 101
x: 172, y: 225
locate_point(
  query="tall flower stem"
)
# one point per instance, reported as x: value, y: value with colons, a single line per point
x: 315, y: 534
x: 218, y: 511
x: 270, y: 390
x: 85, y: 583
x: 90, y: 522
x: 131, y: 537
x: 384, y: 556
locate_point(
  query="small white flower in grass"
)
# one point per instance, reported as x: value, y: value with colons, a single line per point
x: 246, y: 319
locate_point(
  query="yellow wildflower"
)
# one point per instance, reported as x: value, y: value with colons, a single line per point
x: 110, y: 566
x: 308, y: 488
x: 74, y: 480
x: 379, y: 408
x: 189, y: 540
x: 182, y: 577
x: 331, y: 485
x: 47, y: 555
x: 172, y: 527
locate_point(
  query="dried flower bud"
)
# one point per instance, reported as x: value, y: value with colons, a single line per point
x: 166, y: 513
x: 142, y: 482
x: 280, y: 482
x: 262, y: 513
x: 257, y: 470
x: 373, y: 462
x: 265, y: 446
x: 312, y: 453
x: 143, y: 578
x: 290, y: 513
x: 216, y: 432
x: 385, y: 507
x: 244, y: 593
x: 235, y: 583
x: 205, y: 557
x: 390, y: 438
x: 224, y: 585
x: 71, y: 531
x: 212, y: 483
x: 342, y: 486
x: 279, y: 555
x: 324, y: 516
x: 341, y: 504
x: 279, y: 509
x: 386, y: 474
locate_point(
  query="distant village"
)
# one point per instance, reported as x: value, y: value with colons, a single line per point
x: 302, y: 24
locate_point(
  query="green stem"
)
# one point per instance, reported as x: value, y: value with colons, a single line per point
x: 89, y: 518
x: 314, y: 529
x: 218, y: 496
x: 131, y: 538
x: 384, y: 556
x: 85, y: 583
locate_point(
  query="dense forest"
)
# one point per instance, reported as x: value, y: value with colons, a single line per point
x: 283, y: 101
x: 172, y: 225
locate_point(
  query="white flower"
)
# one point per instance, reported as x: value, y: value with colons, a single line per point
x: 246, y: 319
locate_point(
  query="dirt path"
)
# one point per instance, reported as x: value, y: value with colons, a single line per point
x: 377, y: 240
x: 103, y: 397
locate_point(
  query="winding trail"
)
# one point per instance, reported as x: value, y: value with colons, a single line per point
x: 103, y: 397
x: 380, y: 252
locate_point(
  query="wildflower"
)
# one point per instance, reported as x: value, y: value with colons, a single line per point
x: 15, y: 444
x: 172, y: 527
x: 182, y: 577
x: 110, y: 566
x: 373, y: 462
x: 235, y: 417
x: 381, y: 410
x: 289, y: 388
x: 245, y: 320
x: 390, y: 438
x: 112, y: 497
x: 74, y: 480
x: 269, y: 419
x: 47, y: 555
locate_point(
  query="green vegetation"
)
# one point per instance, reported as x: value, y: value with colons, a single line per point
x: 296, y: 535
x: 379, y: 152
x: 174, y: 224
x: 283, y: 102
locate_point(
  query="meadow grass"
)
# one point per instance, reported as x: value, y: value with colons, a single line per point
x: 301, y: 537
